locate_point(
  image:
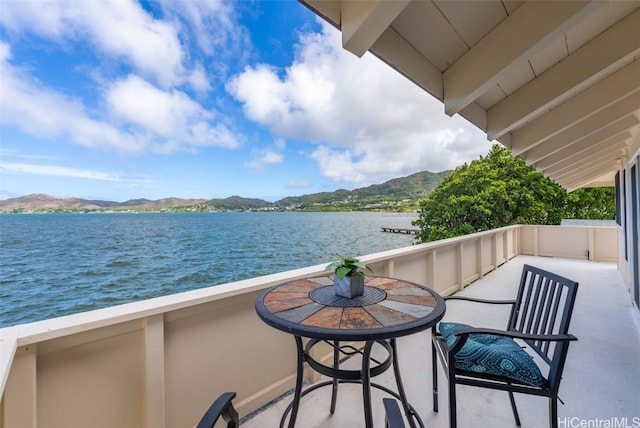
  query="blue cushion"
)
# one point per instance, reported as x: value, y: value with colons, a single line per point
x: 495, y: 355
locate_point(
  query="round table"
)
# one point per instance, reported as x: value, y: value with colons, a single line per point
x: 388, y: 309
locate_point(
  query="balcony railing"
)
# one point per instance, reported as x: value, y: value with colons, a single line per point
x: 159, y: 362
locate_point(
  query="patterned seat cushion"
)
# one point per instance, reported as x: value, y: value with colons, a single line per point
x: 495, y: 355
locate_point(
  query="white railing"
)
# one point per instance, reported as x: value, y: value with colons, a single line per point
x: 160, y: 362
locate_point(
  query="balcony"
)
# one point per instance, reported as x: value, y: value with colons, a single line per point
x: 160, y: 362
x: 600, y: 381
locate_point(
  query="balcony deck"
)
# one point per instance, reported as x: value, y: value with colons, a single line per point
x: 601, y: 381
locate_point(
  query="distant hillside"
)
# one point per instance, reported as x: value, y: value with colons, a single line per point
x: 414, y: 186
x: 410, y: 189
x: 396, y: 194
x: 40, y: 202
x: 46, y: 203
x: 234, y: 203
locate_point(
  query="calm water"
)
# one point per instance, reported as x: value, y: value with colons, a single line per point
x: 57, y: 264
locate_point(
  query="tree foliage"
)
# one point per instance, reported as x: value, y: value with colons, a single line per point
x: 500, y: 190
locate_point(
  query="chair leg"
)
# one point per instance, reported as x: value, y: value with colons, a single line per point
x: 514, y: 408
x: 453, y: 422
x: 553, y: 412
x: 434, y: 376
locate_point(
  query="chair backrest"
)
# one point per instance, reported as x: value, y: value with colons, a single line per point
x: 544, y: 305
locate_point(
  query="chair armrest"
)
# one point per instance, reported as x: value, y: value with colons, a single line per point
x: 221, y: 407
x: 476, y: 300
x: 393, y: 416
x: 464, y: 333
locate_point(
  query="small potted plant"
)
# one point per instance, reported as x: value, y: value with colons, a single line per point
x: 348, y: 279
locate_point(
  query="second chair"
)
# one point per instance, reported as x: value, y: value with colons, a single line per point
x: 489, y: 358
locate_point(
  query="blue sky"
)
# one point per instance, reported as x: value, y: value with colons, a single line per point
x: 204, y: 99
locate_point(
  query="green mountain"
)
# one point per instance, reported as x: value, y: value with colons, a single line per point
x: 397, y: 194
x: 404, y: 192
x: 236, y: 203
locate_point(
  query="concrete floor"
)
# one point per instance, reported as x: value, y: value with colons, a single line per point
x: 601, y: 382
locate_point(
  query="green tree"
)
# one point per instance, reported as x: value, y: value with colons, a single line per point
x: 594, y: 204
x: 499, y: 190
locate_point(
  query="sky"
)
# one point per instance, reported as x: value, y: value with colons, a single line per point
x: 125, y: 99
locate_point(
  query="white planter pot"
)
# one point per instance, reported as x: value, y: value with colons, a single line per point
x: 349, y: 286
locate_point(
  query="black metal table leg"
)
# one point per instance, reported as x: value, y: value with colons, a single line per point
x: 295, y: 404
x: 360, y: 376
x: 366, y: 384
x: 408, y: 410
x: 336, y: 365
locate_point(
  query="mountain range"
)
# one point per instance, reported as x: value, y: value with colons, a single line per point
x: 396, y: 194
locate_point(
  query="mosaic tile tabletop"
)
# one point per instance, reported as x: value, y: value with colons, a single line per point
x: 387, y: 302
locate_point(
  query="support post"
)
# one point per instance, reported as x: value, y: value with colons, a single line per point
x: 154, y: 371
x: 20, y: 407
x: 459, y: 265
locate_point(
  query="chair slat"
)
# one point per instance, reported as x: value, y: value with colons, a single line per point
x: 538, y: 311
x: 533, y: 303
x: 550, y: 317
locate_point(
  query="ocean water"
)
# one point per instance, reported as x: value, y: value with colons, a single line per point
x: 57, y: 264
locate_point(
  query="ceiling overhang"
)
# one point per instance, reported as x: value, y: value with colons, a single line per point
x: 558, y: 82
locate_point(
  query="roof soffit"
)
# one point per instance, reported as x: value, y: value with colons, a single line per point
x: 531, y: 27
x: 582, y: 149
x: 554, y: 81
x: 594, y: 60
x: 597, y: 129
x: 615, y: 151
x: 605, y: 94
x: 584, y: 178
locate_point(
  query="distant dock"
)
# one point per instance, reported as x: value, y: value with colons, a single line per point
x: 406, y: 231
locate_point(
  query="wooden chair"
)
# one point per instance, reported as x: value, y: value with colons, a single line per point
x: 490, y: 358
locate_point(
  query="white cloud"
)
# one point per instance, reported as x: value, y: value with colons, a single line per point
x: 143, y: 117
x: 170, y: 115
x: 267, y: 156
x: 198, y: 80
x: 17, y: 154
x: 210, y: 26
x: 60, y: 171
x: 137, y: 101
x: 118, y: 28
x: 40, y: 111
x: 369, y: 123
x: 211, y: 23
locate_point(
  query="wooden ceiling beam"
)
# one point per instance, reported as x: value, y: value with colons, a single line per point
x: 621, y: 112
x: 587, y: 174
x: 618, y: 44
x: 605, y: 180
x: 580, y: 108
x: 615, y: 151
x: 529, y: 29
x: 403, y: 57
x: 363, y: 22
x: 580, y: 150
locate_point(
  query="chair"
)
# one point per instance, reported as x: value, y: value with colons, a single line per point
x: 221, y: 407
x: 488, y: 358
x: 392, y: 414
x: 224, y: 407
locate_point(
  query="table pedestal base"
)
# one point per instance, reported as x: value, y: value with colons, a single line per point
x: 362, y: 376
